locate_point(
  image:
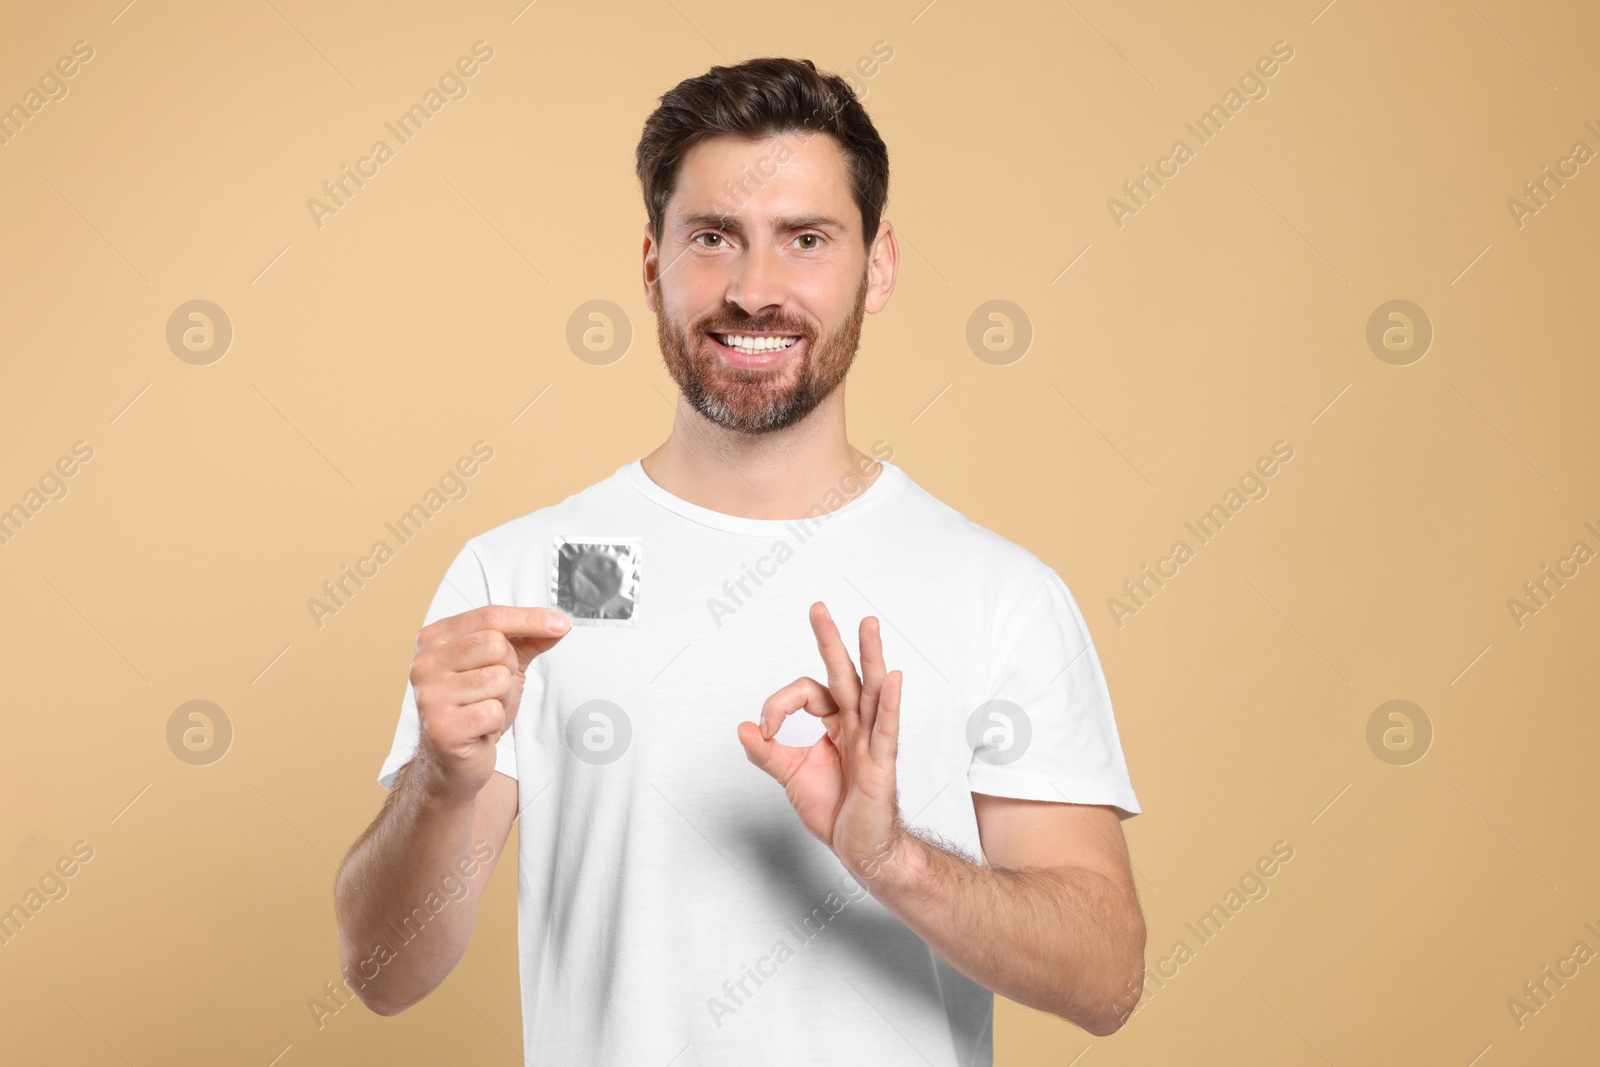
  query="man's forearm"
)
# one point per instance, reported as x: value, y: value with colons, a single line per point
x: 404, y: 898
x: 1066, y: 940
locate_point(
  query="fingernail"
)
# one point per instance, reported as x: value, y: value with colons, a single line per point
x: 559, y: 623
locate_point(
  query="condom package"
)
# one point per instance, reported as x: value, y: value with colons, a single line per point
x: 595, y: 581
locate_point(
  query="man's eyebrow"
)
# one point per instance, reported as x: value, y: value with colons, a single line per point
x: 810, y: 222
x: 731, y: 223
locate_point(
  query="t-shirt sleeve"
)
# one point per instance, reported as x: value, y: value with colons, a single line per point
x: 1046, y: 730
x: 465, y: 586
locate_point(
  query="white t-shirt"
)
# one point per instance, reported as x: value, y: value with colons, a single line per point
x: 671, y: 909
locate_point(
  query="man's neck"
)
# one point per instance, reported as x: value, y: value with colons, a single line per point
x: 785, y: 474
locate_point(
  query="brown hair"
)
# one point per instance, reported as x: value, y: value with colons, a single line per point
x: 756, y: 99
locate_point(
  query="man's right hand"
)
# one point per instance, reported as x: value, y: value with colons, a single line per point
x: 467, y: 676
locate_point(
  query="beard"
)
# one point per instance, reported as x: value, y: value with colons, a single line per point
x: 757, y: 401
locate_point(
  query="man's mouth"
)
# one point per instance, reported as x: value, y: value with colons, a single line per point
x: 755, y: 344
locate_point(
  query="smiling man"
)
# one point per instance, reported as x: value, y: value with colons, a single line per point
x: 739, y: 843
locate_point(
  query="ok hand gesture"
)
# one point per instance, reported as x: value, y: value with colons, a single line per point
x: 843, y: 786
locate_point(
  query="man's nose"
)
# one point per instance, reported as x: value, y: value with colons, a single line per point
x: 759, y: 280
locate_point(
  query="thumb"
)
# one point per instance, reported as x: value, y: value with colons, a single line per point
x: 780, y: 761
x: 533, y: 631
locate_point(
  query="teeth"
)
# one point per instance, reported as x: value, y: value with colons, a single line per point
x: 753, y: 345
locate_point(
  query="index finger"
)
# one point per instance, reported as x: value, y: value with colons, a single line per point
x: 514, y: 622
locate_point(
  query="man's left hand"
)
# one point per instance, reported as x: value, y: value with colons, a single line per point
x: 843, y: 786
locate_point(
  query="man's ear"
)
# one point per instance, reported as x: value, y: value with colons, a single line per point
x: 883, y: 264
x: 652, y: 267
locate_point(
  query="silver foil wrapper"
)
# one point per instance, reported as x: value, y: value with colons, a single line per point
x: 595, y: 580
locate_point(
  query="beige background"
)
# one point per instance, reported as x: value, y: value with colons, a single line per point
x: 1229, y: 313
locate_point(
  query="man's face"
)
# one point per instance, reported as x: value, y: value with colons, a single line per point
x: 761, y: 243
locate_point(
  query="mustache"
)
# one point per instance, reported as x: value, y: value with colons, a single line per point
x: 773, y: 326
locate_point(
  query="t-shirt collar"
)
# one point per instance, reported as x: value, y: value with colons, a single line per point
x: 889, y: 480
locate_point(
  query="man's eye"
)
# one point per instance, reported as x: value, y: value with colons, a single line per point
x: 809, y: 237
x: 714, y: 236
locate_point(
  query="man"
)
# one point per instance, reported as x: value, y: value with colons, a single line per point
x: 612, y: 668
